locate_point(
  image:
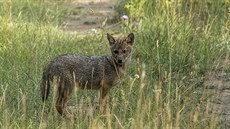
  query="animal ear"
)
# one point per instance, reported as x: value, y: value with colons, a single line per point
x: 111, y: 39
x: 130, y: 39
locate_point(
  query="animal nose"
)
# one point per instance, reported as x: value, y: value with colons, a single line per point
x: 119, y: 61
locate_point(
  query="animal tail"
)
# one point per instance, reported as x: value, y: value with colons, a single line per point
x: 45, y: 84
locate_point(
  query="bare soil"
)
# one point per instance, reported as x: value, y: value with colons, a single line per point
x: 92, y: 15
x: 218, y: 87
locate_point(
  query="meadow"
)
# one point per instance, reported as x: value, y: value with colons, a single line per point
x: 177, y: 43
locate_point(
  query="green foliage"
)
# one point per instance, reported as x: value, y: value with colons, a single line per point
x: 176, y: 44
x: 179, y: 41
x: 45, y: 12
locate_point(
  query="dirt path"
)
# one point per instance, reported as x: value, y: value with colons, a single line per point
x: 92, y: 15
x: 218, y: 84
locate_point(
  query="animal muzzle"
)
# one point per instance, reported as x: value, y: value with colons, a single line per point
x: 120, y: 62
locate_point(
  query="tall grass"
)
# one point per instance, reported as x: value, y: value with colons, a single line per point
x: 180, y: 41
x: 36, y: 12
x: 175, y: 45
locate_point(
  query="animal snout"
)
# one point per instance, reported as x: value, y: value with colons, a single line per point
x: 119, y: 61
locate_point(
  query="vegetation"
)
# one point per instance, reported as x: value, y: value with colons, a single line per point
x: 177, y: 43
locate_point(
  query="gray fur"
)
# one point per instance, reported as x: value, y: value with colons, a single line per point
x: 87, y: 72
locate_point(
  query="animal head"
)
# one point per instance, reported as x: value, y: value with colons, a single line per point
x: 121, y: 48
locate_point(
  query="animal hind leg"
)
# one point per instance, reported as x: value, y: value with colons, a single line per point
x: 63, y: 93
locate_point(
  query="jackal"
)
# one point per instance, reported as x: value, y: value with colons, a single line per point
x: 87, y: 72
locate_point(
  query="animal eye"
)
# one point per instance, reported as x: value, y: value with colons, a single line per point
x: 124, y: 51
x: 115, y: 51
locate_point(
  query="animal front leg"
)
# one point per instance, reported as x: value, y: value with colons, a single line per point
x: 104, y: 90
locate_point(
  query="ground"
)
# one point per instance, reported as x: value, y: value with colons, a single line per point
x: 218, y: 87
x: 91, y: 15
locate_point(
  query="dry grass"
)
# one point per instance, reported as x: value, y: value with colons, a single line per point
x: 173, y: 51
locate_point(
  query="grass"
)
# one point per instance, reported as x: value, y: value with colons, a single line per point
x: 176, y: 45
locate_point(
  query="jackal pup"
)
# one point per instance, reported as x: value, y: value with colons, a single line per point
x: 87, y: 72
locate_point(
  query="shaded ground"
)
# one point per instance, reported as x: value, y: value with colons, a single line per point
x: 91, y: 15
